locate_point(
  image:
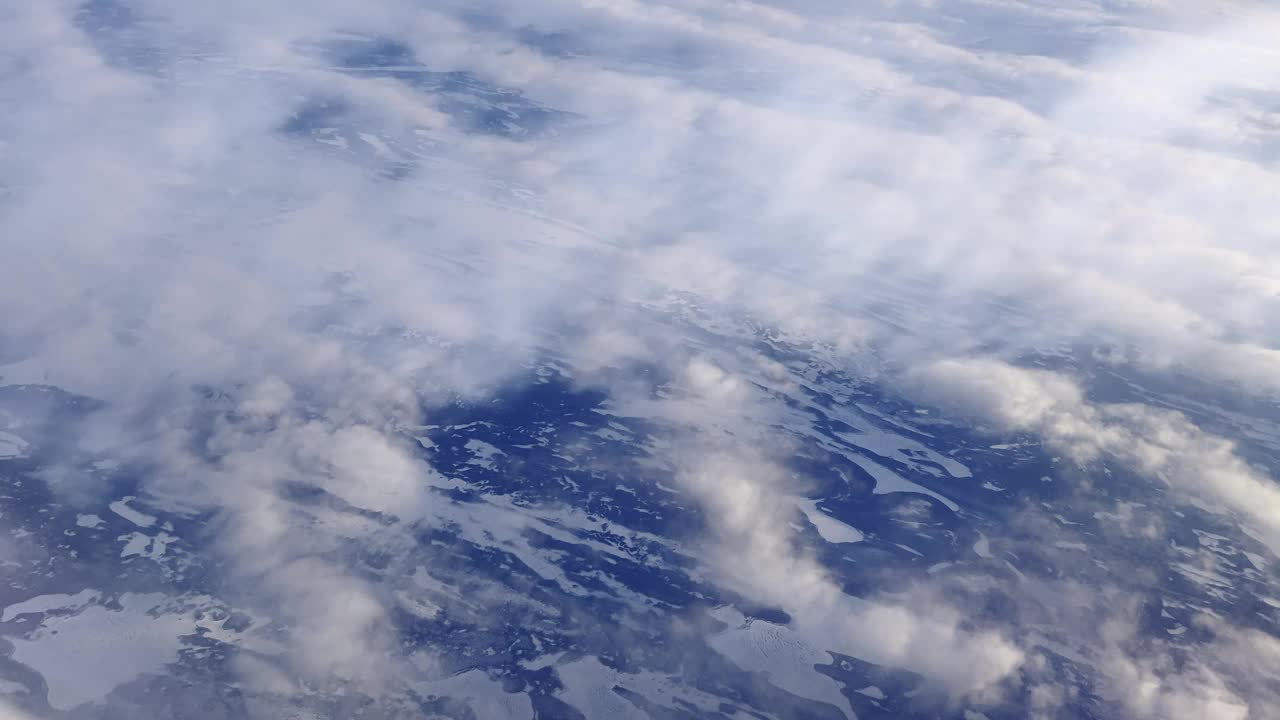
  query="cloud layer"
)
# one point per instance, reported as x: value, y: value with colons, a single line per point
x: 271, y: 239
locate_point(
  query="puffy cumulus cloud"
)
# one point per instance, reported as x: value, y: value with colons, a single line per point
x: 282, y: 560
x: 1195, y: 694
x: 754, y: 549
x: 1154, y: 442
x: 1229, y: 676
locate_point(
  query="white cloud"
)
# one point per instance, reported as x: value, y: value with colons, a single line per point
x: 754, y: 549
x: 1156, y: 443
x: 756, y: 552
x: 895, y: 184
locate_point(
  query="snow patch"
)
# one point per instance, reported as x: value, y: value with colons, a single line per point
x: 888, y: 481
x: 152, y: 547
x: 484, y: 695
x: 88, y: 521
x: 121, y: 508
x: 80, y: 655
x: 788, y: 660
x: 831, y: 530
x: 872, y: 692
x: 982, y: 548
x: 44, y: 603
x: 589, y: 687
x: 483, y: 453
